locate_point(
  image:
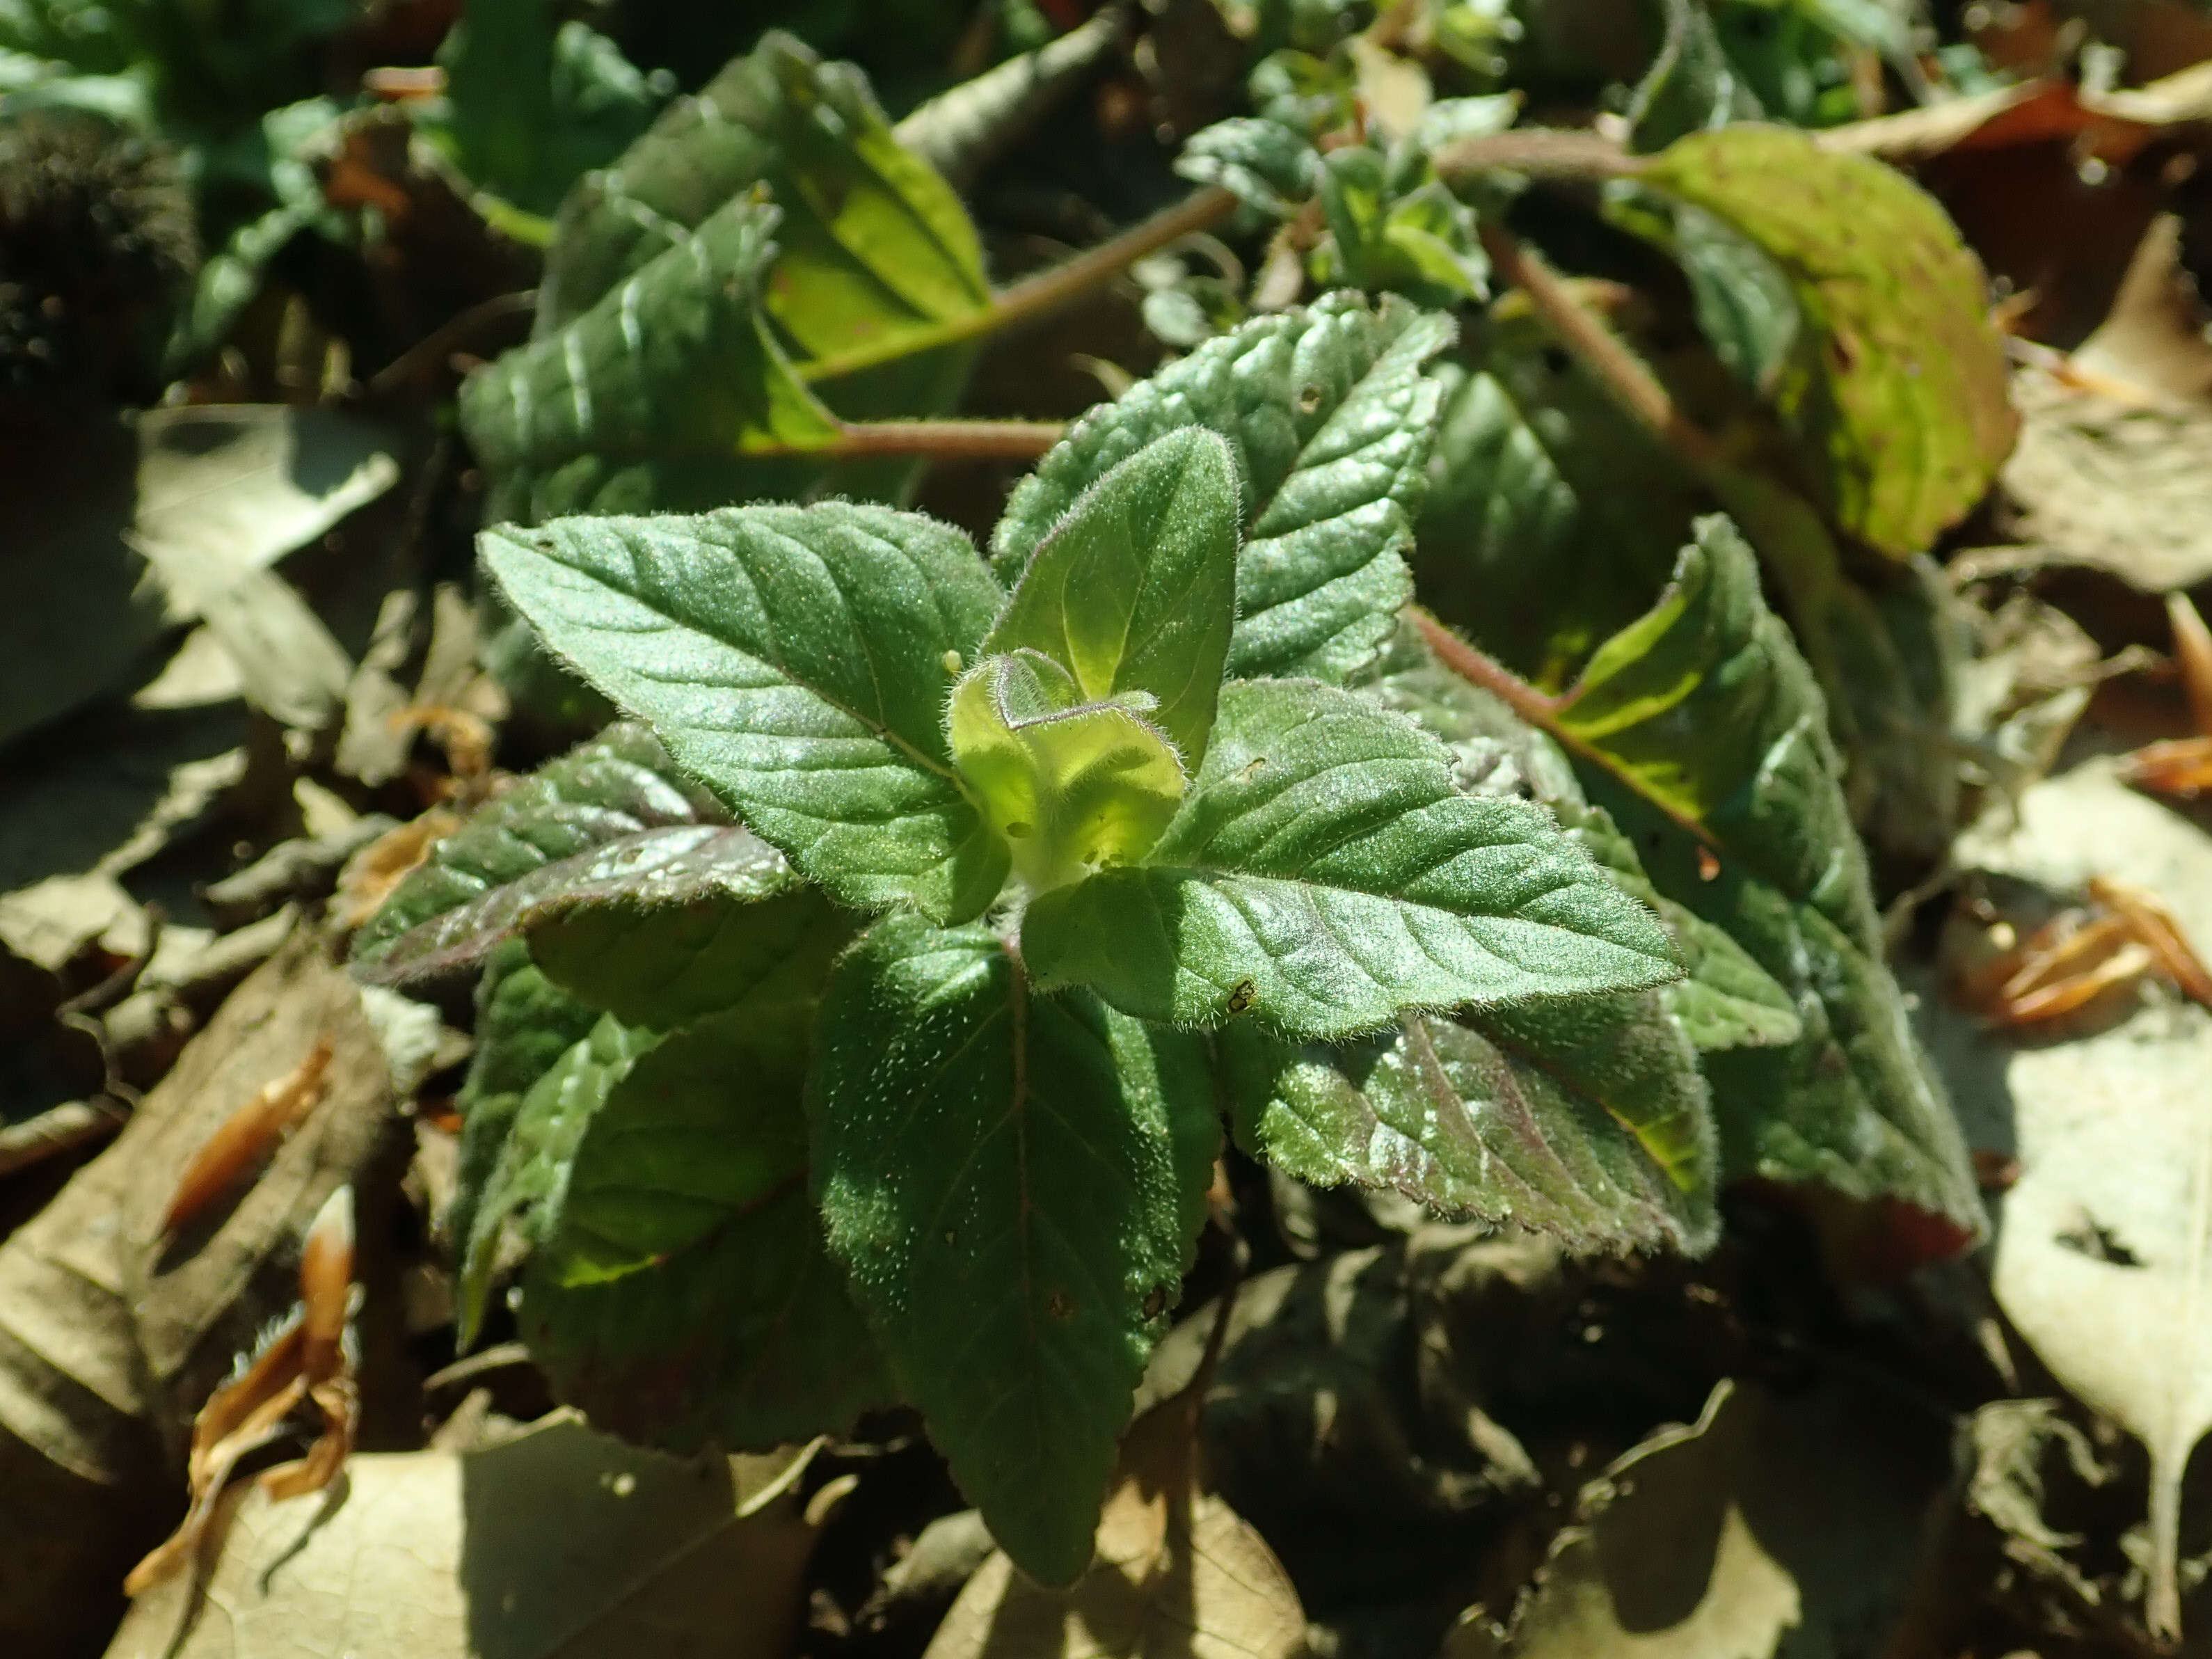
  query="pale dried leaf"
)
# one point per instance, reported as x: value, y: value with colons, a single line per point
x: 2104, y: 1251
x: 558, y: 1544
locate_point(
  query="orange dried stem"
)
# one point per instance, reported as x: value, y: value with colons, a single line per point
x: 248, y: 1137
x: 2131, y: 961
x: 2180, y: 766
x: 2192, y: 654
x: 2152, y: 924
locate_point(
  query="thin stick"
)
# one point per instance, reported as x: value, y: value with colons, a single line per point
x: 1570, y: 156
x: 1618, y: 369
x: 1541, y: 709
x: 1045, y: 292
x: 1016, y: 440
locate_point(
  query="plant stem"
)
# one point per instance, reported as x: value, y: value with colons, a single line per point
x: 1541, y: 153
x: 1618, y: 369
x: 1036, y: 296
x: 943, y: 441
x: 1540, y: 708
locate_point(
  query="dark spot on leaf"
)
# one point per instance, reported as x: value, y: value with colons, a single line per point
x: 1241, y: 997
x: 1156, y: 1301
x: 1309, y: 396
x: 1556, y: 360
x: 1060, y: 1304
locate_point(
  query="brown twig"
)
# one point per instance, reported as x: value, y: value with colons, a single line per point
x: 1540, y: 708
x: 1014, y: 440
x: 1551, y: 152
x: 1622, y: 374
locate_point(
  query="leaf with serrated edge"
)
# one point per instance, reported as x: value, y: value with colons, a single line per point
x: 525, y: 1183
x: 1585, y: 1118
x: 870, y: 229
x: 1328, y: 412
x: 795, y: 660
x: 1900, y: 392
x: 654, y: 396
x: 1325, y: 873
x: 525, y: 1023
x: 1726, y: 999
x: 1016, y: 1182
x: 1068, y: 784
x: 1135, y: 589
x: 683, y: 1292
x: 1703, y: 715
x: 663, y: 965
x: 612, y: 817
x: 1551, y: 517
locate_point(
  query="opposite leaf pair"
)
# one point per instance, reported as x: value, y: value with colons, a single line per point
x: 1187, y: 850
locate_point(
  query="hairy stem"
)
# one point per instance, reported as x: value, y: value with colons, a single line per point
x: 1045, y: 292
x: 944, y: 440
x: 1570, y: 156
x: 1540, y: 708
x: 1616, y: 369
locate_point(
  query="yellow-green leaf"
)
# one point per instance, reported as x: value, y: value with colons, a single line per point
x: 1898, y: 390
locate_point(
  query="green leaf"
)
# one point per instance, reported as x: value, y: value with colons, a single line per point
x: 683, y: 1292
x: 1325, y: 873
x: 1899, y: 393
x: 525, y: 1187
x: 532, y: 103
x: 1328, y: 414
x: 662, y: 965
x: 1552, y: 519
x: 1584, y: 1118
x: 525, y: 1023
x: 612, y: 817
x: 1691, y: 84
x: 876, y: 243
x: 1068, y: 785
x: 795, y: 658
x: 659, y: 396
x: 1702, y: 717
x: 1016, y: 1182
x: 1725, y: 999
x: 1135, y: 588
x: 1264, y: 163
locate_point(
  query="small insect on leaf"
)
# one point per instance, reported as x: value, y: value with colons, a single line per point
x: 1241, y: 997
x: 248, y: 1137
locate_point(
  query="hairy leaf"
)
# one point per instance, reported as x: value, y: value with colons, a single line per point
x: 531, y: 102
x: 1016, y: 1182
x: 1725, y: 999
x: 872, y: 234
x: 1552, y: 519
x: 1266, y: 164
x: 1328, y: 412
x: 663, y: 965
x: 1702, y: 717
x: 524, y: 1188
x: 525, y: 1023
x: 1325, y: 873
x: 655, y: 395
x: 1068, y: 784
x: 797, y: 663
x: 1135, y: 588
x: 1900, y: 392
x: 1585, y: 1118
x: 682, y: 1292
x: 612, y: 817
